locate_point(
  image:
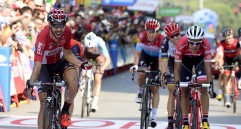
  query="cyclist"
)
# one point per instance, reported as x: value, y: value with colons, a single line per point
x: 168, y: 48
x: 147, y: 55
x: 52, y: 54
x: 230, y: 52
x: 193, y: 49
x: 95, y: 49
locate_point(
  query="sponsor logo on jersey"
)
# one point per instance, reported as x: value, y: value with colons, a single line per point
x: 55, y: 51
x: 39, y: 48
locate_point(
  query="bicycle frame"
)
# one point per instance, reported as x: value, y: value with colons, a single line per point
x: 145, y: 105
x: 52, y: 103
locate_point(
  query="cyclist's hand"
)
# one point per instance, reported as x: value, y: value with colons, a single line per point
x: 211, y: 92
x: 133, y: 68
x: 163, y: 78
x: 86, y: 65
x: 28, y: 90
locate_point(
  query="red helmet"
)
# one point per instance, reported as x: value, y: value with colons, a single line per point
x: 171, y: 28
x: 57, y: 15
x: 152, y: 24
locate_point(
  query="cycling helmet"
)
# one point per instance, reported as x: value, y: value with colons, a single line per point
x: 227, y: 32
x: 57, y: 15
x: 195, y: 32
x: 90, y: 40
x: 171, y: 28
x: 152, y: 24
x: 239, y: 31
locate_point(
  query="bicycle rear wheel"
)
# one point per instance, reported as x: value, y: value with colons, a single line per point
x: 84, y: 100
x: 144, y: 108
x: 178, y: 114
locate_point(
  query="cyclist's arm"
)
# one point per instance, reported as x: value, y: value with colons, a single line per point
x: 36, y: 71
x: 177, y: 69
x: 105, y: 53
x: 137, y: 53
x: 208, y: 71
x: 163, y: 60
x: 70, y: 57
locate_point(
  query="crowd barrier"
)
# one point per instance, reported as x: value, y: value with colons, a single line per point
x: 16, y: 68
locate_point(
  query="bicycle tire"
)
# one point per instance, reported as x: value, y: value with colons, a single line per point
x: 144, y: 102
x: 89, y: 98
x: 224, y: 91
x: 148, y: 107
x: 47, y: 111
x: 57, y: 112
x: 178, y: 112
x: 84, y: 101
x: 233, y: 95
x: 194, y: 116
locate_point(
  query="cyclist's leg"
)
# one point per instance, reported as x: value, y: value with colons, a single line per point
x: 97, y: 82
x: 227, y: 78
x: 171, y: 88
x: 143, y: 63
x: 185, y: 77
x: 202, y: 78
x: 70, y: 74
x: 220, y: 86
x: 44, y: 76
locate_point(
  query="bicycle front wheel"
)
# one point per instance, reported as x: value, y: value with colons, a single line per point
x: 233, y: 94
x: 178, y: 112
x: 84, y: 100
x: 47, y: 116
x: 89, y: 97
x: 194, y: 116
x: 144, y: 108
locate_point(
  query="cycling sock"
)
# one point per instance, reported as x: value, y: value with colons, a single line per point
x: 185, y: 120
x: 205, y: 117
x: 140, y: 90
x: 170, y: 119
x: 95, y: 98
x: 220, y: 91
x: 154, y: 110
x: 66, y: 106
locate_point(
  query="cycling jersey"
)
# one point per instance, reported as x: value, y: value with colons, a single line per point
x: 167, y: 48
x: 77, y: 48
x: 229, y: 50
x: 152, y: 49
x: 48, y: 49
x: 182, y: 49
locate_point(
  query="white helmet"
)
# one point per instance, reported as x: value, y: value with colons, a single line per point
x: 90, y: 40
x: 195, y: 32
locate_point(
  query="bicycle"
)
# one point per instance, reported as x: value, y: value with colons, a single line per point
x: 234, y: 83
x: 52, y: 103
x: 145, y: 105
x: 87, y: 91
x: 195, y: 104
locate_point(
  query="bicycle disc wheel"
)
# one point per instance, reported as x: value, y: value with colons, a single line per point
x: 178, y: 119
x: 84, y: 100
x: 194, y: 115
x: 144, y: 103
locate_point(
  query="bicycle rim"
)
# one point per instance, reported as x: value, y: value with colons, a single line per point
x: 194, y: 116
x: 234, y: 105
x: 178, y: 119
x: 233, y: 95
x: 144, y: 108
x: 84, y: 100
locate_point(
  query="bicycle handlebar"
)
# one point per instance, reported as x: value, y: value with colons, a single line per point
x: 193, y: 85
x: 58, y: 84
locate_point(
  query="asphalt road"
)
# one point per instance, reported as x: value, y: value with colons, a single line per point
x: 117, y: 110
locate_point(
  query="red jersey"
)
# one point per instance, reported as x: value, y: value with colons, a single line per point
x: 48, y: 50
x: 77, y: 48
x: 182, y: 49
x: 229, y: 50
x: 152, y: 49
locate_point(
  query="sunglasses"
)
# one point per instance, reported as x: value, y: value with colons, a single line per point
x: 197, y: 43
x: 228, y: 38
x: 175, y: 35
x: 58, y: 26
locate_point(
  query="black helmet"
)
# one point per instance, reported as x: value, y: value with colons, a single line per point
x: 227, y: 32
x: 239, y: 31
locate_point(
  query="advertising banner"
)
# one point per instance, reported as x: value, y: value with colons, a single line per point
x: 5, y: 66
x: 118, y: 2
x: 113, y: 46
